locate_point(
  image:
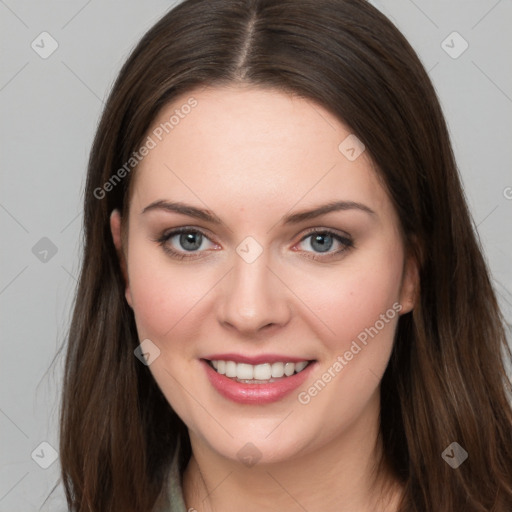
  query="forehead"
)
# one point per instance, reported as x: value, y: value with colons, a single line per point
x: 260, y: 146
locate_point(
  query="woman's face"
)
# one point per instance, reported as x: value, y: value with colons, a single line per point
x: 255, y: 278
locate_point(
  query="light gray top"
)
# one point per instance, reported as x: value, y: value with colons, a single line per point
x: 171, y: 498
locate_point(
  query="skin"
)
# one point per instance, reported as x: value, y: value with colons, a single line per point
x: 251, y: 156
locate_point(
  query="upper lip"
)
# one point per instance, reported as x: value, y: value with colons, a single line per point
x: 254, y: 360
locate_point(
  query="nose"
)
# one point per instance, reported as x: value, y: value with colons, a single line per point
x: 253, y: 299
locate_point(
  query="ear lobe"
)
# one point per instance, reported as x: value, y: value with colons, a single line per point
x: 410, y: 285
x: 115, y: 229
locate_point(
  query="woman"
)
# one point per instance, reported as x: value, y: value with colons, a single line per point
x: 282, y: 302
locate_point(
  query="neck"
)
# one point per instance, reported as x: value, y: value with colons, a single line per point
x: 340, y: 476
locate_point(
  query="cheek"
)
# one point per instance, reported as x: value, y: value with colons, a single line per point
x: 163, y: 296
x: 361, y: 308
x: 358, y: 297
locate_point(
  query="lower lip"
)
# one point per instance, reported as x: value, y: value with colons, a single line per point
x: 255, y: 393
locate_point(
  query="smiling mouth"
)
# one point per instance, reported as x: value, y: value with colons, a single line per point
x: 257, y: 374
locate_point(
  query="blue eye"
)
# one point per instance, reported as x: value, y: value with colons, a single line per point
x: 188, y: 239
x: 183, y: 243
x: 322, y: 241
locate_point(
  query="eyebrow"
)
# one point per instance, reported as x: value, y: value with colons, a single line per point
x: 294, y: 218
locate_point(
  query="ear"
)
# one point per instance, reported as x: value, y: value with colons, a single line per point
x: 115, y: 228
x: 410, y: 285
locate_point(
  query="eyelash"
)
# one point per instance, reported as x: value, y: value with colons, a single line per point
x: 346, y: 242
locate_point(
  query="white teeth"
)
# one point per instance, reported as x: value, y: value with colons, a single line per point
x: 262, y: 371
x: 244, y: 371
x: 277, y: 370
x: 265, y: 371
x: 289, y: 369
x: 300, y: 366
x: 230, y: 369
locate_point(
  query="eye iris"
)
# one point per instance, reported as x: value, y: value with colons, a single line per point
x: 190, y: 241
x: 321, y: 240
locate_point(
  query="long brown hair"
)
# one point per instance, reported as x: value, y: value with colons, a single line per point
x: 446, y: 380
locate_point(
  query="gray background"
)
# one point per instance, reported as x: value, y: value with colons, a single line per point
x: 49, y: 111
